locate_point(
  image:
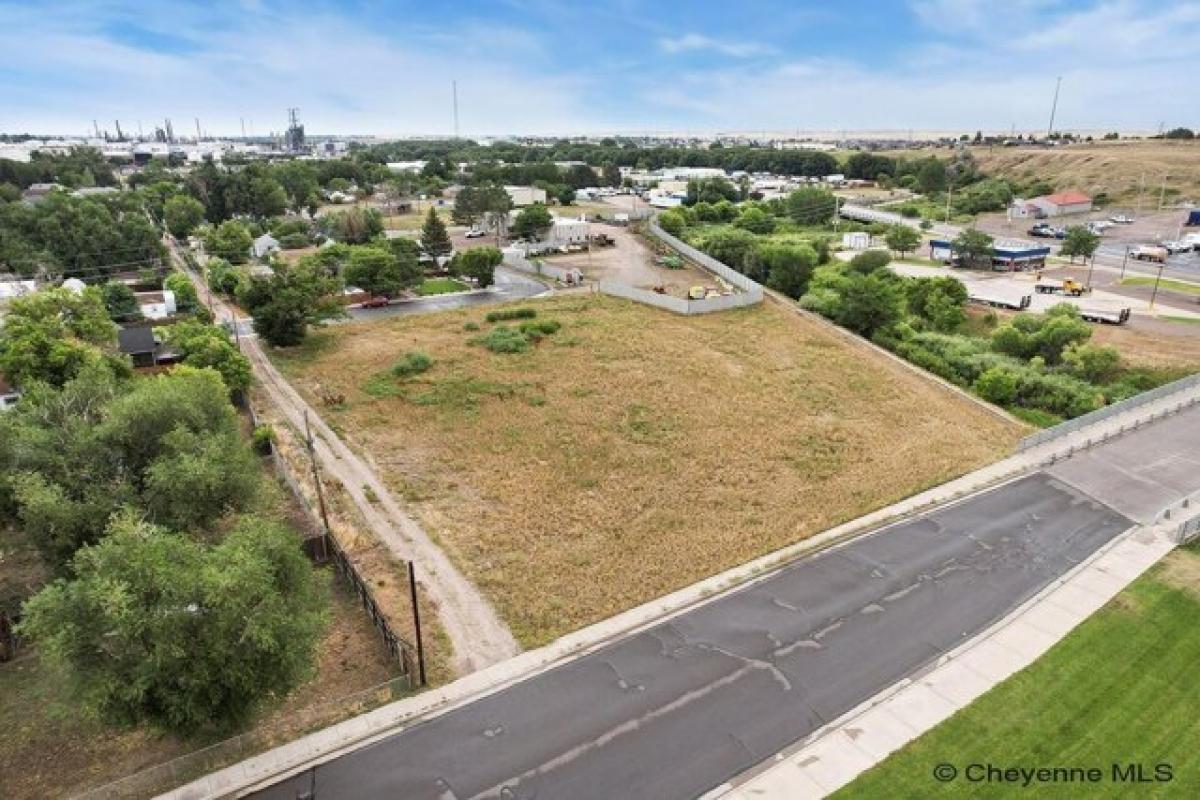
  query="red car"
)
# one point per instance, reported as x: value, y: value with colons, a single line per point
x: 375, y: 302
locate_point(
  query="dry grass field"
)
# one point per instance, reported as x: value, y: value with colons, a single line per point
x: 633, y: 452
x: 1114, y: 168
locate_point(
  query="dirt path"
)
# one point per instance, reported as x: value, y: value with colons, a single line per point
x: 478, y: 635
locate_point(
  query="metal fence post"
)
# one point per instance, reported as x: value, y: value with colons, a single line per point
x: 416, y: 611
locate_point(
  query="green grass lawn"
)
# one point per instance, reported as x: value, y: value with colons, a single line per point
x: 1165, y: 283
x: 1121, y: 688
x: 1185, y: 320
x: 440, y: 286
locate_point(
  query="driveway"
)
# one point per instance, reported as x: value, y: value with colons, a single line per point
x: 677, y: 709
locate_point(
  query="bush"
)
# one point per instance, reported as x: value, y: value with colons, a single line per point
x: 510, y: 313
x: 263, y: 439
x: 869, y: 261
x: 539, y: 329
x: 503, y: 339
x: 471, y: 326
x: 998, y: 385
x: 413, y: 363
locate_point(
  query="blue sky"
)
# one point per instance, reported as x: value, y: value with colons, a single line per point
x: 537, y: 66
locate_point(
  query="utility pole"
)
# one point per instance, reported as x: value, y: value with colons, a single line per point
x: 1161, y: 265
x: 1141, y: 191
x: 197, y: 130
x: 1054, y: 106
x: 1162, y: 193
x: 312, y: 457
x: 454, y: 95
x: 1124, y: 262
x: 412, y: 590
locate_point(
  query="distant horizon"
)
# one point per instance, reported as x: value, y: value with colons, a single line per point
x: 828, y: 134
x: 539, y: 67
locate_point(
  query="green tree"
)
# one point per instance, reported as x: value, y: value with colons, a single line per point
x: 435, y: 241
x: 1092, y: 363
x: 974, y: 248
x: 120, y: 302
x: 610, y: 174
x: 710, y: 190
x: 673, y: 222
x: 532, y: 223
x: 158, y: 628
x: 755, y: 220
x: 811, y: 205
x: 998, y: 385
x: 902, y: 239
x: 221, y: 276
x: 788, y: 267
x: 287, y: 303
x: 869, y: 261
x: 737, y: 249
x: 938, y: 301
x: 354, y: 225
x: 53, y: 334
x: 231, y: 241
x: 479, y: 263
x: 931, y: 176
x: 182, y: 214
x: 204, y: 345
x: 1079, y: 242
x: 872, y: 303
x: 375, y: 270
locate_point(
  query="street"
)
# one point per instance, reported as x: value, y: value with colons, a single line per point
x: 678, y: 709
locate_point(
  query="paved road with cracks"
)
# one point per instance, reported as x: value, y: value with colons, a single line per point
x: 679, y: 708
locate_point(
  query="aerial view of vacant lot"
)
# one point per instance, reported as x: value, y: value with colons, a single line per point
x: 631, y: 452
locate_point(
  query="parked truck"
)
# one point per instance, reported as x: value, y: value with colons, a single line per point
x: 1068, y: 286
x: 1146, y: 252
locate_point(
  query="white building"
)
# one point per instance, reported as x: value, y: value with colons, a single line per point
x: 264, y: 245
x: 406, y: 166
x: 525, y: 195
x: 568, y: 231
x: 156, y: 305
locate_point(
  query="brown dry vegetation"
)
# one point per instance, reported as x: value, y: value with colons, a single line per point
x: 635, y: 451
x: 1114, y: 168
x: 1166, y: 345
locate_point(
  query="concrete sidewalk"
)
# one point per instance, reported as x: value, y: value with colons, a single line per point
x: 862, y: 738
x: 327, y: 744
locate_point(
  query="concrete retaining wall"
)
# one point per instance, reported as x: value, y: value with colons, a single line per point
x: 1072, y: 425
x: 679, y: 305
x: 514, y: 259
x: 709, y: 263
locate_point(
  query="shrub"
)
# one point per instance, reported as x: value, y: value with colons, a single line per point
x: 869, y: 261
x: 263, y: 439
x: 413, y: 363
x: 511, y: 313
x: 540, y: 328
x: 471, y: 326
x: 998, y: 385
x: 503, y: 339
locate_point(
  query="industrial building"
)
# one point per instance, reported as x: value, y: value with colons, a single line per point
x: 1009, y: 255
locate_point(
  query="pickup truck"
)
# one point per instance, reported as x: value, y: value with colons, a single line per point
x: 1047, y: 231
x: 1121, y: 219
x: 375, y: 302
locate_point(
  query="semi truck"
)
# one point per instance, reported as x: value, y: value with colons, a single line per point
x: 1105, y: 317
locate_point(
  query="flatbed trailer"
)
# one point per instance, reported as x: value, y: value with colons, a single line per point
x: 995, y: 301
x: 1106, y: 317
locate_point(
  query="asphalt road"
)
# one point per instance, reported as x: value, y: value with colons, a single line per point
x: 509, y: 285
x: 680, y: 708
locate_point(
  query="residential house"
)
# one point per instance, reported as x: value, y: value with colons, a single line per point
x: 143, y: 348
x: 38, y: 191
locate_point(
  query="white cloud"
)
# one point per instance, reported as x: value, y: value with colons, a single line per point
x: 693, y: 42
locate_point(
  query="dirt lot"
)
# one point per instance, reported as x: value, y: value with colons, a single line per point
x: 631, y: 261
x: 634, y: 451
x: 1150, y: 226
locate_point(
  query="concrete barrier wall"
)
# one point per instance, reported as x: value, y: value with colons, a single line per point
x: 517, y: 261
x: 676, y: 304
x: 1072, y: 425
x: 709, y: 263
